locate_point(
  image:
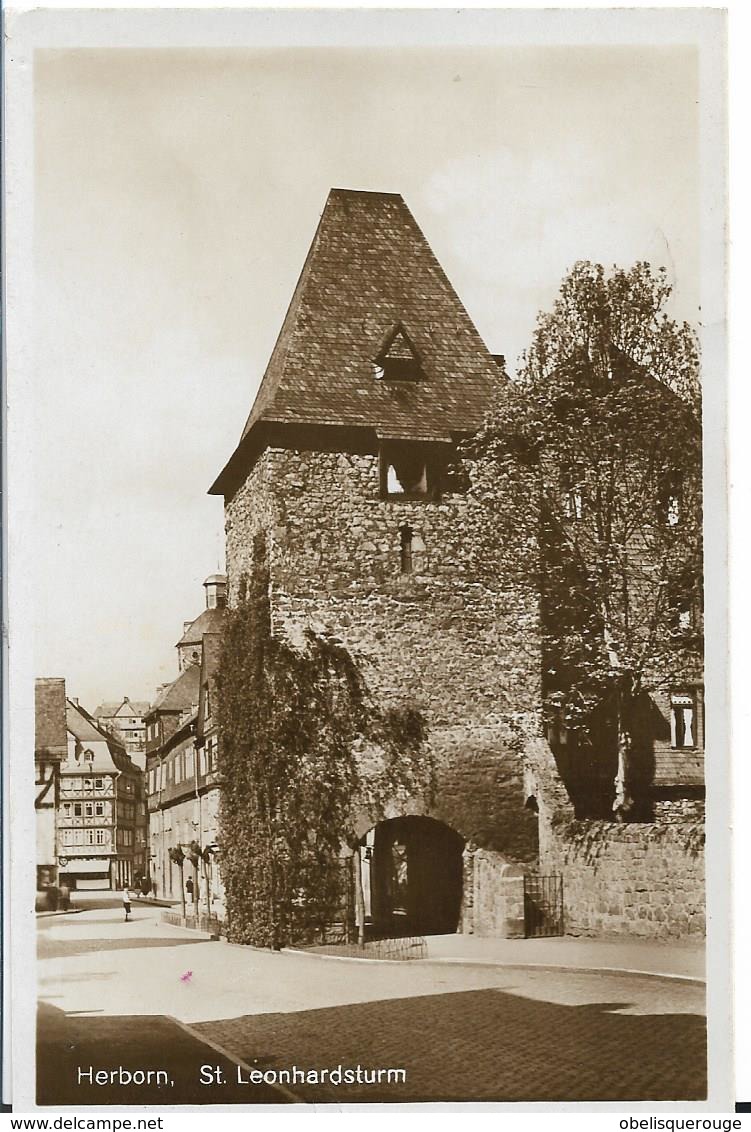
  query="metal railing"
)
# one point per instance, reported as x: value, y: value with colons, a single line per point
x: 543, y: 905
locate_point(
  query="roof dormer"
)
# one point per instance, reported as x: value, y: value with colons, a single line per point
x: 397, y: 359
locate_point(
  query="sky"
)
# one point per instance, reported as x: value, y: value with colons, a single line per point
x: 176, y: 196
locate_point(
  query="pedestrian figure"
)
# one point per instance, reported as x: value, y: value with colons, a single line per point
x: 126, y: 904
x: 189, y: 888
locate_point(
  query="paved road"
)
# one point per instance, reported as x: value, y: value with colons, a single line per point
x: 459, y: 1031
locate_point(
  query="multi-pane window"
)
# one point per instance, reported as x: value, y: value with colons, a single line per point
x: 572, y: 493
x: 85, y: 837
x: 682, y: 720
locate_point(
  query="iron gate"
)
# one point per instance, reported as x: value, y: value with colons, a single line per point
x: 543, y: 905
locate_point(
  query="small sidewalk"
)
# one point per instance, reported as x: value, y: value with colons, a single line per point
x: 678, y: 959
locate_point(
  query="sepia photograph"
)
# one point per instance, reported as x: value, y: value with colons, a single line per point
x: 369, y: 465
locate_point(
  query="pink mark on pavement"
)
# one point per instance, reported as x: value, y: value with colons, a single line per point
x: 186, y: 977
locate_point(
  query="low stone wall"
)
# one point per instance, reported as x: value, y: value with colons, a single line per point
x: 634, y: 879
x: 644, y: 879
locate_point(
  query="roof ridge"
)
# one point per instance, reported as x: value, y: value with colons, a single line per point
x: 365, y: 193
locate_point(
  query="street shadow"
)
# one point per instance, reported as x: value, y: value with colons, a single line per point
x: 484, y: 1045
x: 71, y: 1048
x: 61, y: 949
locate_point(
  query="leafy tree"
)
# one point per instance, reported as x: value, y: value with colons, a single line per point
x: 606, y: 411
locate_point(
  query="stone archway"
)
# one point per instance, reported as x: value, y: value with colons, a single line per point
x: 411, y: 869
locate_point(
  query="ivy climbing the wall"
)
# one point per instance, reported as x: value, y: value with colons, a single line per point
x: 303, y: 749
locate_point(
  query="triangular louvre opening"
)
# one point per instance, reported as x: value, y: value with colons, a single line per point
x: 398, y: 360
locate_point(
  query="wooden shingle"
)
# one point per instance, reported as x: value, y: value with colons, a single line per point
x: 370, y: 269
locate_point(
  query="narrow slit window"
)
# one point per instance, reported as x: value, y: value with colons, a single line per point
x: 406, y: 548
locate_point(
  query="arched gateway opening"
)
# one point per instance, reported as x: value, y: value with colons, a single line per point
x: 411, y: 875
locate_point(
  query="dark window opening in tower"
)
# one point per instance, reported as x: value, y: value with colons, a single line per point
x: 407, y: 537
x: 407, y: 475
x: 408, y: 470
x: 400, y: 369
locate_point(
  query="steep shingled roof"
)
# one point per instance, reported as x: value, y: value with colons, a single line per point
x: 181, y: 694
x: 209, y: 621
x: 368, y: 270
x: 108, y: 753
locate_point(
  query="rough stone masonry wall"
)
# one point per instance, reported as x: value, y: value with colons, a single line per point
x: 636, y: 879
x: 493, y: 895
x: 642, y: 879
x: 461, y: 646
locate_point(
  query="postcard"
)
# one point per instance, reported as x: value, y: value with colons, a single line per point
x: 366, y: 517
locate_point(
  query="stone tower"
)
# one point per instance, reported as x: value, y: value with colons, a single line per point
x: 349, y: 465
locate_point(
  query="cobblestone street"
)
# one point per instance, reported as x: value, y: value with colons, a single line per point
x: 490, y: 1044
x: 460, y: 1031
